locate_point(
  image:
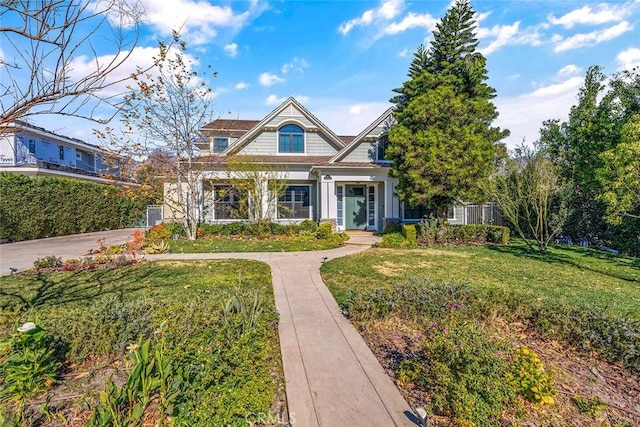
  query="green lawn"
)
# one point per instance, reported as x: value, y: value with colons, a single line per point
x: 566, y: 274
x: 211, y: 244
x: 229, y: 360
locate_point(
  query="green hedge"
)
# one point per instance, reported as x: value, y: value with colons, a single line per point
x: 435, y: 232
x: 476, y: 233
x: 36, y: 207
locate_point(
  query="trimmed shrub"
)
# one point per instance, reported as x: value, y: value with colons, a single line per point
x: 410, y: 234
x: 308, y: 225
x: 210, y: 229
x: 38, y: 207
x: 393, y: 241
x: 434, y: 231
x: 324, y: 230
x: 278, y: 229
x: 392, y: 228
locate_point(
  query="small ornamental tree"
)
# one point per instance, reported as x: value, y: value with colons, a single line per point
x: 167, y: 109
x: 443, y: 146
x: 531, y: 195
x: 259, y: 186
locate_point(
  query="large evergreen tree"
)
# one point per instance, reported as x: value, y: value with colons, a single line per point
x: 443, y: 145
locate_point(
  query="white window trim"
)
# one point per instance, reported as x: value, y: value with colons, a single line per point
x: 378, y: 160
x: 213, y: 143
x: 452, y: 218
x: 310, y: 204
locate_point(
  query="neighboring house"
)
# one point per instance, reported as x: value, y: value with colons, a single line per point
x: 31, y: 150
x: 329, y: 178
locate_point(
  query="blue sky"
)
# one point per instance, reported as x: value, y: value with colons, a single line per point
x: 342, y: 59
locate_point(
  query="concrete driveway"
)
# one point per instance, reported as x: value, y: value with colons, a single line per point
x: 21, y: 255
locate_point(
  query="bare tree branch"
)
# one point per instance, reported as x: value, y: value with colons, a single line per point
x: 45, y: 39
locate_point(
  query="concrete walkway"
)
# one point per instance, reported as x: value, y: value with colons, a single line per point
x: 332, y: 378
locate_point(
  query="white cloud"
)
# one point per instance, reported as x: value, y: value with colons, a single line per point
x: 592, y: 38
x: 391, y: 9
x: 198, y: 21
x: 403, y: 53
x: 83, y: 65
x: 268, y: 79
x: 241, y: 86
x: 412, y: 20
x: 602, y: 14
x: 386, y: 11
x: 274, y: 100
x: 231, y: 49
x: 569, y: 70
x: 629, y: 59
x: 504, y: 34
x: 296, y: 64
x: 523, y: 115
x: 557, y: 88
x: 345, y: 117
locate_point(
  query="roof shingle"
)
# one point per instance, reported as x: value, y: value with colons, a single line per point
x: 231, y: 124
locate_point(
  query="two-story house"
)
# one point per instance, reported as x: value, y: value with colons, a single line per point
x: 329, y: 178
x: 32, y: 150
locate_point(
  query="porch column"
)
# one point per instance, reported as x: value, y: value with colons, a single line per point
x: 266, y: 198
x: 391, y: 204
x: 328, y: 202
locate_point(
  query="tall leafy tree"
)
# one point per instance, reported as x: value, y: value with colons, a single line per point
x: 586, y: 147
x: 443, y: 145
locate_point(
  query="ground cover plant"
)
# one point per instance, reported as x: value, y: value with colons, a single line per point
x: 248, y: 237
x: 493, y: 335
x: 156, y: 343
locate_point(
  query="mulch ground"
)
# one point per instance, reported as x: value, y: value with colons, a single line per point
x: 575, y: 374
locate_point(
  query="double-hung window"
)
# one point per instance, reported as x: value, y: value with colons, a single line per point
x: 290, y: 139
x: 228, y: 203
x: 220, y: 144
x: 294, y: 203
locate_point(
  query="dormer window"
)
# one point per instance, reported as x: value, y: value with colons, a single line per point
x: 290, y: 139
x: 220, y: 144
x: 381, y: 149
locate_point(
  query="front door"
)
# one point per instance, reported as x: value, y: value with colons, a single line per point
x: 356, y: 207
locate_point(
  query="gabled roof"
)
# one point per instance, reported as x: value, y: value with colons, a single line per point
x: 349, y: 148
x: 230, y: 125
x: 247, y: 137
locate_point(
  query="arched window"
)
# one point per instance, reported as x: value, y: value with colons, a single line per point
x: 290, y: 139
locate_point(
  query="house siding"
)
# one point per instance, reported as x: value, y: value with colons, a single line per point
x: 267, y: 144
x: 364, y: 152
